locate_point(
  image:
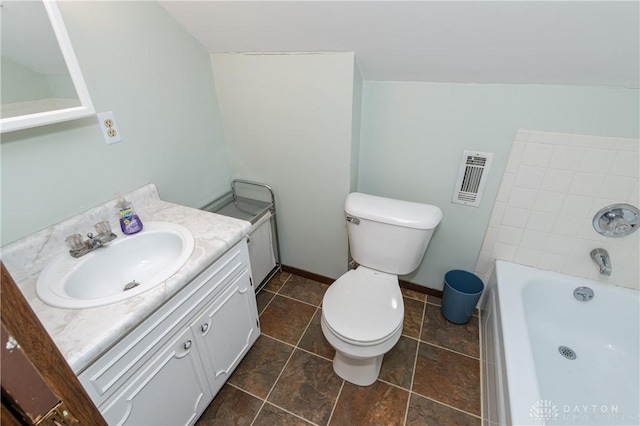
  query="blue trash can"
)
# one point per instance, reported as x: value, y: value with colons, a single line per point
x: 461, y: 293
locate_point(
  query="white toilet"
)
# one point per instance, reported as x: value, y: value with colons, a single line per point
x: 362, y: 311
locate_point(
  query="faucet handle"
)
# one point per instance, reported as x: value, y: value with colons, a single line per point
x: 75, y: 242
x: 103, y: 228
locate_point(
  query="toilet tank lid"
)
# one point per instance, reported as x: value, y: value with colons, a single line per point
x: 393, y: 212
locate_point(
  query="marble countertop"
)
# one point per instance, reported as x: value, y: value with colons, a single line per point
x: 82, y: 335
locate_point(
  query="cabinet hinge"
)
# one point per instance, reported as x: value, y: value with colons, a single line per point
x: 251, y: 281
x: 58, y: 416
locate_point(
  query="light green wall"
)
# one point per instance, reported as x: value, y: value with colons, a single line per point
x: 356, y: 119
x: 20, y: 83
x: 413, y: 135
x: 288, y: 123
x: 61, y: 86
x: 140, y: 64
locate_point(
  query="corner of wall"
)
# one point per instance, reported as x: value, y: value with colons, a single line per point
x: 356, y: 118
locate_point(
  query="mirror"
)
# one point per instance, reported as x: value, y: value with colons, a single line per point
x: 41, y: 79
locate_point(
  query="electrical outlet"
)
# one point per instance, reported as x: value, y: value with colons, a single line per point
x: 108, y: 126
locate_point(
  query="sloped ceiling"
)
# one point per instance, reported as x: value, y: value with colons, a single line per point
x: 594, y: 43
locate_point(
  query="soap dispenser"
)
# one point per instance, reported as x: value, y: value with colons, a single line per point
x: 130, y: 223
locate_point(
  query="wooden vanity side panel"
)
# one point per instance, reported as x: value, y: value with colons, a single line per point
x: 23, y: 324
x: 23, y: 387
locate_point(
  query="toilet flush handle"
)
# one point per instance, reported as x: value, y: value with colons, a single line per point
x: 353, y: 220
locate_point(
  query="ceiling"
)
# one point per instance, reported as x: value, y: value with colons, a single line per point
x: 593, y: 43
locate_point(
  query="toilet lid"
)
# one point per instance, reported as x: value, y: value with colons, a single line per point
x: 364, y: 305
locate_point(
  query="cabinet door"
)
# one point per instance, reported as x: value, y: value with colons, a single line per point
x: 226, y: 330
x: 169, y: 390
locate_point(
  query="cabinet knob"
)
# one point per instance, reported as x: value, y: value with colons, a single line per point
x: 204, y: 327
x: 187, y: 344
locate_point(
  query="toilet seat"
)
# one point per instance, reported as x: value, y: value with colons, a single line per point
x: 364, y: 307
x: 360, y: 343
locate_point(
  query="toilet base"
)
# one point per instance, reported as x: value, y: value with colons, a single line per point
x: 360, y: 372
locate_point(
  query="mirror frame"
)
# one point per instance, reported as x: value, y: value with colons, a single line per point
x: 86, y: 107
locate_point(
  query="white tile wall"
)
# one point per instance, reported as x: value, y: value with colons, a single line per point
x: 553, y: 185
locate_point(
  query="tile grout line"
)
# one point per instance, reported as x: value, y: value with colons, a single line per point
x: 268, y: 303
x: 284, y: 368
x: 292, y: 413
x: 297, y: 347
x: 274, y: 384
x: 297, y: 300
x: 244, y: 390
x: 432, y: 303
x: 313, y: 353
x: 274, y: 295
x: 335, y: 404
x: 321, y: 357
x: 293, y: 298
x: 392, y: 384
x: 476, y: 312
x: 447, y: 405
x: 306, y: 328
x: 415, y: 298
x: 284, y: 283
x: 459, y: 353
x: 264, y: 401
x: 255, y: 396
x: 410, y: 392
x: 450, y: 350
x: 420, y: 340
x: 278, y: 340
x: 415, y: 363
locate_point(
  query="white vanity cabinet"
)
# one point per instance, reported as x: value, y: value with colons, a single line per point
x: 168, y: 369
x: 170, y: 390
x: 226, y: 330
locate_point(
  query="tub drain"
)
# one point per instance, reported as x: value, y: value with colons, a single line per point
x: 567, y: 352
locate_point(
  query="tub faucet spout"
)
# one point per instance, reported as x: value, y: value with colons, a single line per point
x: 601, y: 258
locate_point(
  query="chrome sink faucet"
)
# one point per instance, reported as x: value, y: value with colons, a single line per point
x: 601, y: 258
x: 79, y: 246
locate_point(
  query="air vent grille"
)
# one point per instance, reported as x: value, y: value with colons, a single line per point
x: 472, y: 177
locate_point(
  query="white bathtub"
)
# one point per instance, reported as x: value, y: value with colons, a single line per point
x: 527, y: 315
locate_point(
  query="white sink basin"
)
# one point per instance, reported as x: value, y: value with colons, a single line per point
x: 98, y: 278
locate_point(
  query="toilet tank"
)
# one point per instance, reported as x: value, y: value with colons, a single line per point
x: 389, y: 235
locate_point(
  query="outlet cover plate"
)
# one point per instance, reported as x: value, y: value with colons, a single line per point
x: 109, y: 128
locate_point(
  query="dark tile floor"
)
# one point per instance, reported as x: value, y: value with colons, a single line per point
x: 431, y: 376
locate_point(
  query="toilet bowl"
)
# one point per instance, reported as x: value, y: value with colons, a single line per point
x: 362, y: 332
x: 363, y: 311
